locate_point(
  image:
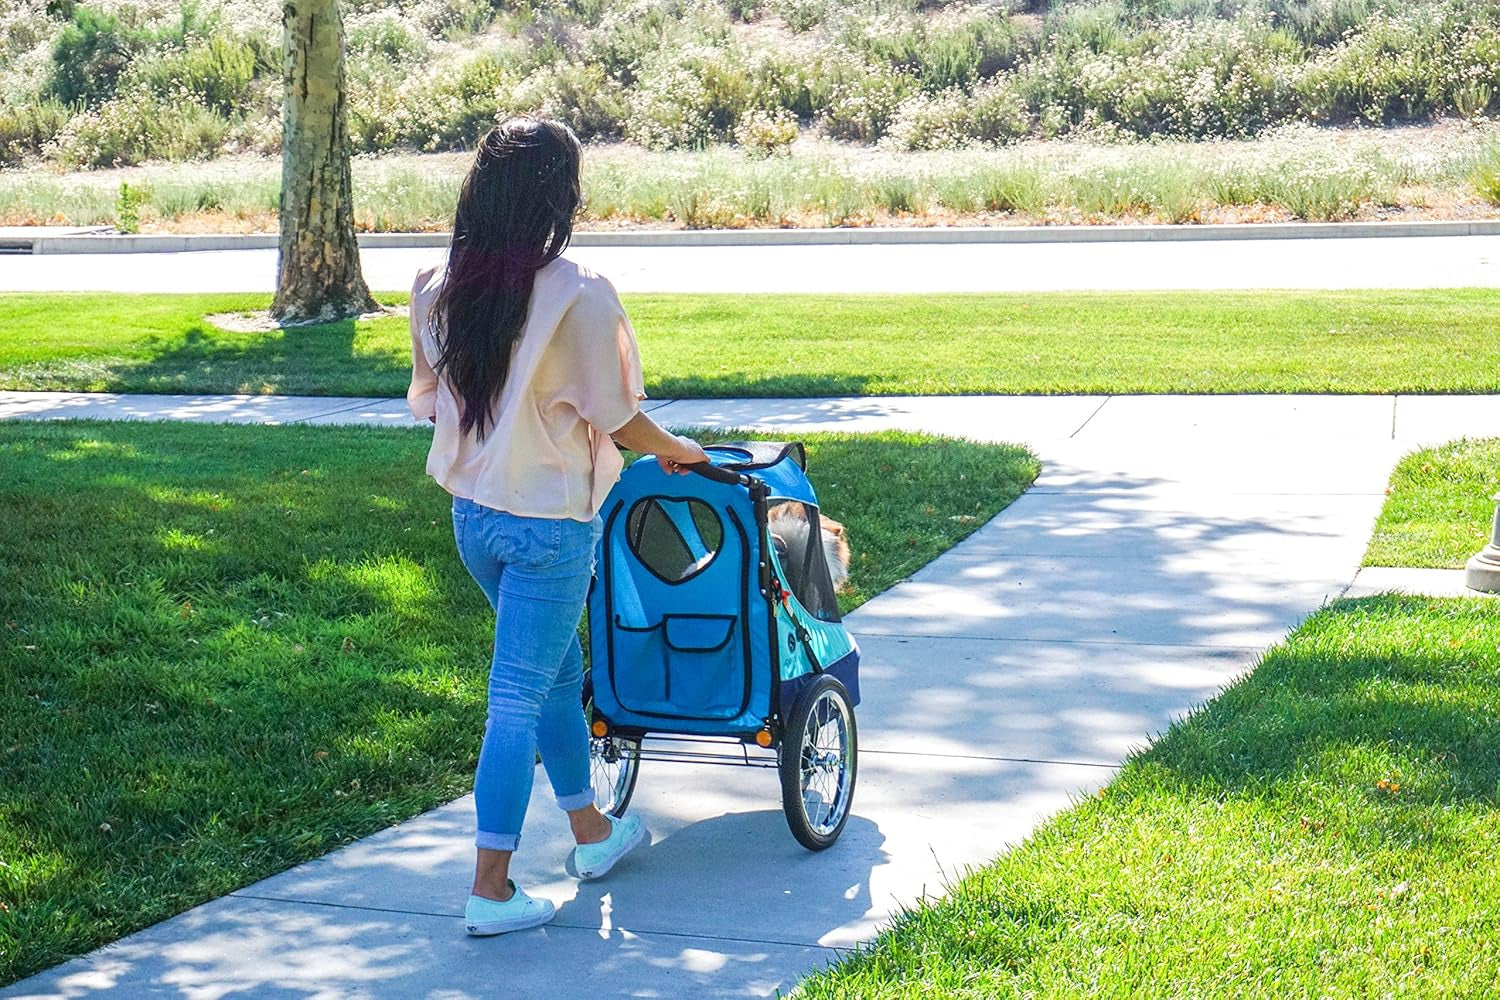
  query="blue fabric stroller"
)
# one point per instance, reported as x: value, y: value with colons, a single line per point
x: 714, y: 630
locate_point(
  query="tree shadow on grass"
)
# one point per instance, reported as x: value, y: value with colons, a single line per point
x: 322, y: 359
x: 227, y: 652
x: 337, y: 359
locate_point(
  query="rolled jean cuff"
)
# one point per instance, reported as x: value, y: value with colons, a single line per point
x: 496, y: 841
x: 576, y: 801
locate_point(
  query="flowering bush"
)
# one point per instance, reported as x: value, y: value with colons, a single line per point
x: 862, y: 105
x: 26, y: 128
x: 994, y: 113
x: 689, y: 99
x: 764, y: 133
x: 577, y: 93
x: 1179, y: 78
x: 434, y: 74
x: 136, y: 126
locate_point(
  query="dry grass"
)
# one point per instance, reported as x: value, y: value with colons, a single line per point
x: 1422, y: 172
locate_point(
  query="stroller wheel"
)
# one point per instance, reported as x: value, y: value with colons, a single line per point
x: 819, y: 759
x: 614, y: 762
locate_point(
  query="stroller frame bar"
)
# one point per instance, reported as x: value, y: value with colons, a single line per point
x: 743, y: 759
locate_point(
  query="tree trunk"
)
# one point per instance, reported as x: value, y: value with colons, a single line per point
x: 318, y: 276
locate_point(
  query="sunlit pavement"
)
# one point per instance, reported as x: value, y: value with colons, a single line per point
x: 1168, y: 541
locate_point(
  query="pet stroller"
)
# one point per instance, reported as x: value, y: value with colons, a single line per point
x: 714, y: 633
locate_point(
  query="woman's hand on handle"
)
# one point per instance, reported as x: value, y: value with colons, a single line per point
x: 688, y: 453
x: 673, y: 452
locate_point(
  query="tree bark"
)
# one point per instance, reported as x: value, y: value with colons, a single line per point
x: 318, y: 276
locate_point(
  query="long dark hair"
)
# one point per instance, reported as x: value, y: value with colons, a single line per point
x: 515, y: 215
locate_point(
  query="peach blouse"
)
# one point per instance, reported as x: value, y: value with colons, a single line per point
x: 575, y: 378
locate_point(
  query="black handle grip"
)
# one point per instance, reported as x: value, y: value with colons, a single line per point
x: 710, y: 471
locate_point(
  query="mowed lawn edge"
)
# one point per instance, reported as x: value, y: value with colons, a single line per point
x: 1325, y: 827
x: 1440, y: 506
x: 225, y: 650
x: 1431, y: 341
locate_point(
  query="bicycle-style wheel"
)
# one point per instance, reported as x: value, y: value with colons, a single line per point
x: 819, y: 761
x: 614, y: 762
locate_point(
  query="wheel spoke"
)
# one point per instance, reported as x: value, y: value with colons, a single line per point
x: 824, y: 764
x: 610, y: 764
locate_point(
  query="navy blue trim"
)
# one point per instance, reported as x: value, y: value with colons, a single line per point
x: 845, y: 668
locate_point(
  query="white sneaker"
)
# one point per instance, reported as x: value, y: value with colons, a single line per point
x: 483, y: 917
x: 590, y: 861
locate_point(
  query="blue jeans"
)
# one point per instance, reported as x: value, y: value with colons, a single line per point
x: 535, y: 573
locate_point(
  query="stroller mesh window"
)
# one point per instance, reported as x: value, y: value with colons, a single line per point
x: 675, y: 539
x: 794, y: 526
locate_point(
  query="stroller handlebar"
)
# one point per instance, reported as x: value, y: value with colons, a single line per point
x: 710, y: 471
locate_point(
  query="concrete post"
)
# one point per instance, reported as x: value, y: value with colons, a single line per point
x: 1483, y: 571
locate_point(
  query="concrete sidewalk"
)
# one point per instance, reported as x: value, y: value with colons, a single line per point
x: 1168, y: 541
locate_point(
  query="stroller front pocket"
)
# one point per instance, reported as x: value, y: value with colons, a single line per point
x: 685, y: 666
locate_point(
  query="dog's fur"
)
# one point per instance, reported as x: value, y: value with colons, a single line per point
x: 789, y: 528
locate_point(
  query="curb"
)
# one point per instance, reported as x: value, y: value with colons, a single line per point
x: 794, y: 237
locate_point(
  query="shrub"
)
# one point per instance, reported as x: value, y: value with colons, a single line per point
x: 137, y: 126
x: 861, y: 107
x: 451, y: 110
x: 993, y: 114
x: 690, y: 98
x: 216, y: 73
x: 801, y: 15
x: 385, y: 34
x: 1178, y: 78
x: 1411, y: 64
x: 945, y: 52
x: 451, y: 18
x: 672, y: 110
x: 789, y: 82
x: 26, y: 128
x: 128, y: 208
x: 24, y: 26
x: 579, y: 94
x: 638, y: 33
x: 743, y: 10
x: 1322, y: 22
x: 765, y: 133
x: 89, y: 57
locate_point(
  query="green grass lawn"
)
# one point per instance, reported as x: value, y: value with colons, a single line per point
x: 1327, y: 827
x: 225, y: 650
x: 1441, y: 508
x: 798, y: 345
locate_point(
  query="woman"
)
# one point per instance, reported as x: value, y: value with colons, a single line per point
x: 528, y: 368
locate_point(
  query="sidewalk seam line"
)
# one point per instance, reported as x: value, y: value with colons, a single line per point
x: 1081, y: 642
x: 362, y: 401
x: 1089, y: 419
x: 978, y: 756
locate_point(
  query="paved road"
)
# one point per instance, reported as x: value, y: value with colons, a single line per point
x: 1168, y: 541
x: 1421, y: 262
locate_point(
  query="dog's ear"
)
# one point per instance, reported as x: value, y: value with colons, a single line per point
x: 834, y: 527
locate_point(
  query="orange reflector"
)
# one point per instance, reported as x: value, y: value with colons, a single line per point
x: 600, y: 727
x: 763, y: 737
